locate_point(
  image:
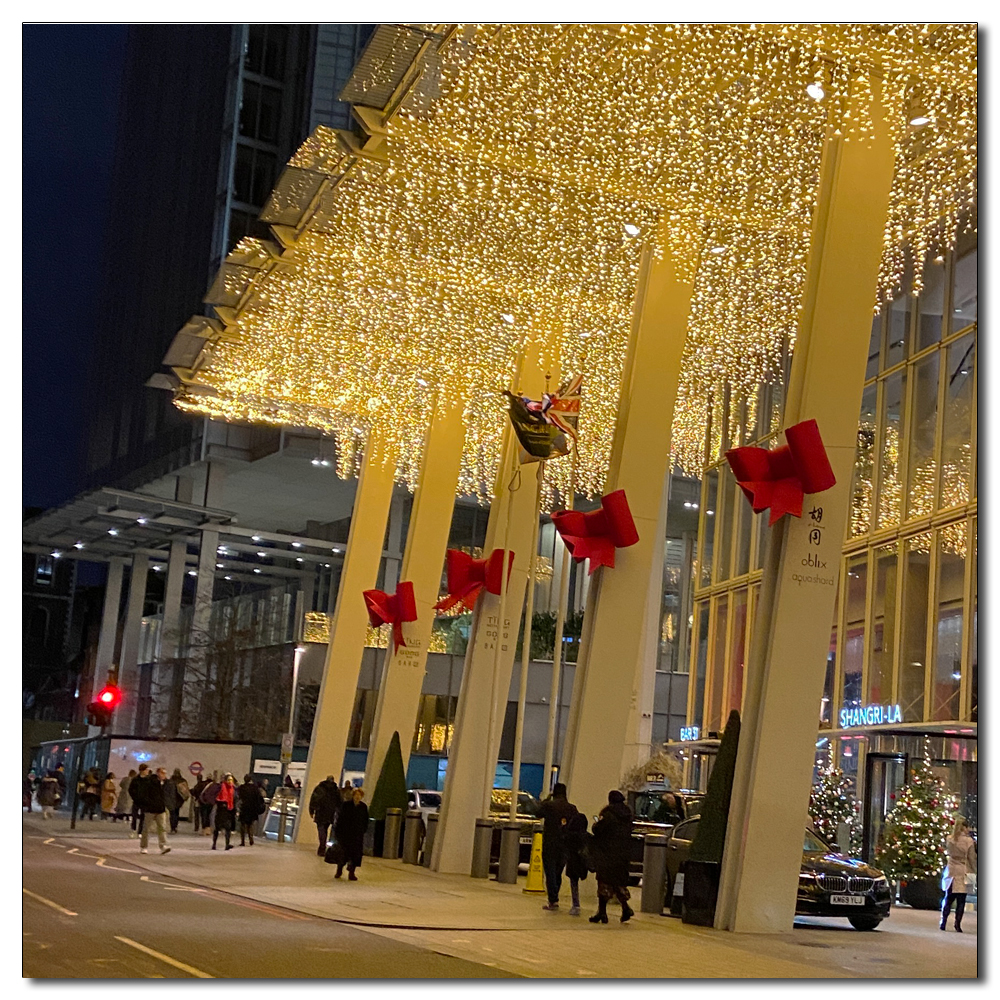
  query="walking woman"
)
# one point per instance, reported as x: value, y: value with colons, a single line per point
x: 352, y: 823
x: 225, y: 811
x: 961, y: 851
x: 123, y: 807
x: 109, y: 792
x: 612, y: 849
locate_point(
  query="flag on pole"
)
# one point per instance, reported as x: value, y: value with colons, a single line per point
x: 547, y: 427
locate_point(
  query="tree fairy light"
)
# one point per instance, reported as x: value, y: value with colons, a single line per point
x: 507, y: 211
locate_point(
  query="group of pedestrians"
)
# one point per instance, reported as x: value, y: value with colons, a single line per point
x: 344, y: 811
x: 606, y: 851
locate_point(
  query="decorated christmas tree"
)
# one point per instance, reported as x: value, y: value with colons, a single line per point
x: 832, y: 802
x: 917, y: 827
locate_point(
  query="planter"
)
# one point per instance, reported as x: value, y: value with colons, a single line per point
x: 922, y: 893
x: 701, y: 891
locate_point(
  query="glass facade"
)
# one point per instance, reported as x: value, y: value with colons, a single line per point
x: 905, y: 629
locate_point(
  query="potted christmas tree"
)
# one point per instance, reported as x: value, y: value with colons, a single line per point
x: 831, y: 804
x: 390, y: 793
x: 912, y: 851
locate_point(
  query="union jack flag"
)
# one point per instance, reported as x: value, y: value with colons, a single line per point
x: 546, y: 427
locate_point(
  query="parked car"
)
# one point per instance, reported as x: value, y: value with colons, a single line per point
x: 527, y: 811
x: 424, y: 799
x: 645, y: 806
x: 830, y: 884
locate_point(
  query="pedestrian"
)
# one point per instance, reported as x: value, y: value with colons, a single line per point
x: 124, y: 805
x: 48, y: 795
x: 136, y: 790
x: 961, y: 851
x: 109, y: 791
x: 352, y: 824
x: 196, y: 789
x: 89, y: 790
x: 669, y: 811
x: 60, y: 776
x: 576, y: 865
x: 612, y: 846
x: 556, y: 813
x: 346, y: 791
x: 154, y: 810
x: 175, y: 793
x: 225, y: 810
x: 323, y: 805
x: 288, y: 783
x: 251, y: 805
x: 206, y: 803
x: 28, y: 790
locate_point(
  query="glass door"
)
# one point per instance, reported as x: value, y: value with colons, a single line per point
x: 885, y: 775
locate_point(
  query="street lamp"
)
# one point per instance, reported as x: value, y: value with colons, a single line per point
x: 288, y: 742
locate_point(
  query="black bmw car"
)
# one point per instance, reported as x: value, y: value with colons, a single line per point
x: 830, y: 884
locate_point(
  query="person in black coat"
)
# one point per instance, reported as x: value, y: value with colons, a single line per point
x: 323, y: 805
x: 251, y: 805
x: 574, y: 838
x: 612, y: 847
x: 556, y: 812
x: 352, y: 822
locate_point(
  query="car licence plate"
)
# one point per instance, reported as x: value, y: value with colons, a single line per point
x: 848, y: 900
x: 525, y: 840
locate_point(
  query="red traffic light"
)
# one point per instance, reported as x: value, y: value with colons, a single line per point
x: 109, y: 696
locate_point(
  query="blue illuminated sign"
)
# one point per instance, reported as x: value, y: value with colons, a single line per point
x: 689, y: 732
x: 870, y: 715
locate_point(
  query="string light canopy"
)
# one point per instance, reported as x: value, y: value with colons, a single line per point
x: 504, y: 205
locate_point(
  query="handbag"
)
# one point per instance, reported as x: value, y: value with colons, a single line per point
x: 588, y: 852
x: 335, y: 854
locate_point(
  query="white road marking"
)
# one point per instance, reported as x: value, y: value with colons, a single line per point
x: 165, y: 958
x: 48, y: 902
x: 169, y: 885
x: 102, y: 863
x: 76, y: 851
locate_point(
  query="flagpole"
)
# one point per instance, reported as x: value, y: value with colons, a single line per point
x: 550, y: 734
x: 529, y: 610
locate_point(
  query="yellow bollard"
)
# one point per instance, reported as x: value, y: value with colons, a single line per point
x: 535, y: 881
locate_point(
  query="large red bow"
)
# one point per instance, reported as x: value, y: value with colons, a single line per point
x: 597, y: 534
x: 780, y: 478
x: 392, y: 609
x: 468, y: 576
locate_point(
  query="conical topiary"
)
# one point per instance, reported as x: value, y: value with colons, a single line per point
x: 710, y: 838
x: 390, y: 789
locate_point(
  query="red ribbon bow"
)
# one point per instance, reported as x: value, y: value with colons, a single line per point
x: 468, y: 576
x: 392, y: 609
x: 597, y: 534
x: 780, y: 478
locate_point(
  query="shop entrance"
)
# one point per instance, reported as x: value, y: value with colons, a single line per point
x: 885, y: 775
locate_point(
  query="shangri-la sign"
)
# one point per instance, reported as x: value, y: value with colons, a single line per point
x: 870, y: 715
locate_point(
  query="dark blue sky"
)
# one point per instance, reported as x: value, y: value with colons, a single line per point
x: 71, y: 82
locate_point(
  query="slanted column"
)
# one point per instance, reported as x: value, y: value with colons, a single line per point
x: 195, y: 679
x: 785, y: 672
x: 618, y: 644
x: 472, y: 761
x: 350, y: 622
x: 128, y: 674
x: 426, y: 542
x: 109, y: 622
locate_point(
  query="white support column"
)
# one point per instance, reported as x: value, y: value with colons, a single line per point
x: 109, y: 622
x: 350, y: 623
x: 791, y: 635
x: 426, y: 542
x: 128, y: 674
x: 615, y: 647
x: 472, y: 762
x: 169, y: 684
x: 394, y: 545
x: 196, y: 669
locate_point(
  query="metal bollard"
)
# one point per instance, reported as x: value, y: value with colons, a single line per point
x: 481, y: 847
x: 432, y: 825
x: 412, y: 835
x: 393, y: 826
x: 654, y: 873
x: 510, y: 849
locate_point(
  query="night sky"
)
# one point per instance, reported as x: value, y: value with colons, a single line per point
x: 71, y: 85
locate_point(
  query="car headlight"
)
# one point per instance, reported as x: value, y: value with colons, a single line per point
x: 880, y: 879
x: 807, y: 877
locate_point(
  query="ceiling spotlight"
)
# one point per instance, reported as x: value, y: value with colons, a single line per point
x: 315, y: 461
x: 78, y: 545
x: 112, y: 531
x: 192, y: 572
x: 140, y: 520
x: 718, y: 249
x: 255, y: 538
x: 507, y: 317
x: 256, y: 570
x: 327, y: 565
x: 337, y: 551
x: 219, y: 566
x: 816, y: 91
x: 262, y: 555
x: 710, y: 512
x: 227, y: 578
x: 298, y: 558
x: 920, y: 120
x: 56, y: 554
x: 423, y: 382
x: 631, y: 229
x: 325, y: 462
x: 296, y: 545
x: 157, y: 568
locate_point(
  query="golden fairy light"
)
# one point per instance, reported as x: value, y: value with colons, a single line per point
x: 507, y: 211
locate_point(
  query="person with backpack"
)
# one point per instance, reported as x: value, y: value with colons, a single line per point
x: 206, y: 803
x: 251, y: 805
x: 175, y: 793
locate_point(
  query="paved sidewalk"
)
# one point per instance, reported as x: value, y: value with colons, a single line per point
x: 462, y: 916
